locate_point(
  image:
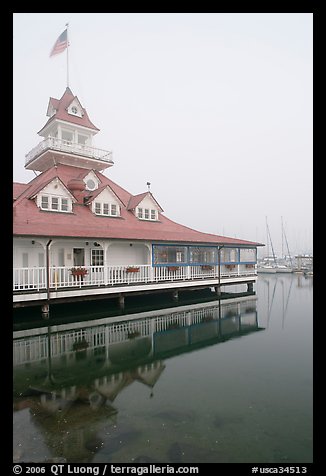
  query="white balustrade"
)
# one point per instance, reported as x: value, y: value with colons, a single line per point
x: 70, y: 147
x: 64, y: 277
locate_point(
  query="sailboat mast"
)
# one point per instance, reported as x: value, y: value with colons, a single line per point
x: 282, y: 239
x: 287, y: 244
x: 267, y: 239
x: 269, y: 234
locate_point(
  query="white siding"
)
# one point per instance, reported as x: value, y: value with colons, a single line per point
x: 148, y: 202
x: 106, y: 196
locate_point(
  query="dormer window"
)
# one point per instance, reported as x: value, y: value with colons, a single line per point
x: 55, y: 204
x: 106, y: 209
x: 147, y: 214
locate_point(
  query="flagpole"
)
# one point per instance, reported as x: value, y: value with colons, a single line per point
x: 67, y: 24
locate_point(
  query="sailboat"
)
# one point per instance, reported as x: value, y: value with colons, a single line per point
x: 266, y: 267
x: 284, y: 268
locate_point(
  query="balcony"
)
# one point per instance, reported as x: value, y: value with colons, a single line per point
x: 65, y: 152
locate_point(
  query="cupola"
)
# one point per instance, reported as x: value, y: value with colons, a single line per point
x: 68, y: 138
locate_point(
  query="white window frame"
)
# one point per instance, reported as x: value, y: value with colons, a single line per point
x: 97, y: 257
x: 148, y: 214
x: 44, y: 200
x: 51, y: 200
x: 112, y: 208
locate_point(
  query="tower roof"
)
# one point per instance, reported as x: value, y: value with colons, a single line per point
x: 58, y: 109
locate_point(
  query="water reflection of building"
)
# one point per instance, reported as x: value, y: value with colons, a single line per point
x: 69, y: 376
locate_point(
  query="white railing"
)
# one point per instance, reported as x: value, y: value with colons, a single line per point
x: 70, y: 147
x: 29, y: 278
x: 63, y: 277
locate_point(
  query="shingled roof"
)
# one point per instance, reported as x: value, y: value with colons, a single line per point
x: 61, y: 111
x: 29, y: 220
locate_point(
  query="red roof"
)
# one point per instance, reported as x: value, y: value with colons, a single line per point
x: 29, y: 220
x: 61, y: 106
x: 136, y: 199
x: 18, y: 188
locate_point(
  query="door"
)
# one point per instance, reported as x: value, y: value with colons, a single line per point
x: 79, y: 256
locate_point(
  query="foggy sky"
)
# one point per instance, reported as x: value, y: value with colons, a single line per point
x: 214, y: 110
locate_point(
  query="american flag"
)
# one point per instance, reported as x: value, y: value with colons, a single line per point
x: 61, y: 44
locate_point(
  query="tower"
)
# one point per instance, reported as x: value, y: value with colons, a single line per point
x: 67, y: 138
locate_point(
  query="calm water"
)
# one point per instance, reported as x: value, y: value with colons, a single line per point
x: 212, y: 382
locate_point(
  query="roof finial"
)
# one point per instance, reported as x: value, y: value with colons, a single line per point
x: 148, y: 185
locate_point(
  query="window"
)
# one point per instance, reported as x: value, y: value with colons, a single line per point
x: 248, y: 254
x: 97, y: 257
x: 79, y: 256
x: 146, y: 214
x: 67, y: 136
x: 44, y: 202
x: 106, y: 209
x: 64, y: 204
x: 202, y: 255
x: 90, y: 184
x: 114, y: 210
x: 55, y: 204
x: 169, y: 254
x: 82, y: 139
x: 74, y: 110
x: 229, y: 255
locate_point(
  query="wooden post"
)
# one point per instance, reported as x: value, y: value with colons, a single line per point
x: 122, y: 302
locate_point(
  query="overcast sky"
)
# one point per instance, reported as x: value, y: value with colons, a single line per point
x: 215, y: 110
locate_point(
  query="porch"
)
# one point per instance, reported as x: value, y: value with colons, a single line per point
x: 62, y: 277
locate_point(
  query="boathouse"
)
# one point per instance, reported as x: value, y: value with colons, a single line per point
x: 79, y: 235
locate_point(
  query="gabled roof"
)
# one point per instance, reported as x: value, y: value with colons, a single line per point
x: 96, y: 193
x: 136, y: 199
x: 61, y: 113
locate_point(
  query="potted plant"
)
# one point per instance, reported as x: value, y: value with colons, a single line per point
x: 78, y: 272
x: 132, y: 269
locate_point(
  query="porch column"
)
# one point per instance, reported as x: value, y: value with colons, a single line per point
x: 105, y: 263
x: 151, y: 273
